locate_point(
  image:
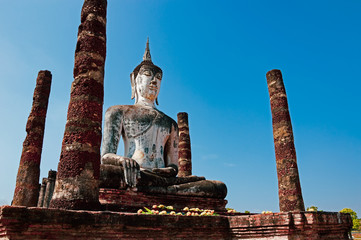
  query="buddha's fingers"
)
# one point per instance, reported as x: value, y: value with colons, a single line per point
x: 138, y: 172
x: 125, y: 174
x: 126, y: 171
x: 133, y: 173
x: 129, y: 172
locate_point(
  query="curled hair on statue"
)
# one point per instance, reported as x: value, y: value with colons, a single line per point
x: 148, y: 63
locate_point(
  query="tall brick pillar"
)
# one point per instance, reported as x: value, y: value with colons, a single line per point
x: 289, y: 188
x: 78, y: 170
x: 184, y: 147
x: 27, y: 181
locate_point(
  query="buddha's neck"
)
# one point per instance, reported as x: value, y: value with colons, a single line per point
x: 145, y: 102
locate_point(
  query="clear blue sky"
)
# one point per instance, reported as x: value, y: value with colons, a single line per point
x: 214, y: 55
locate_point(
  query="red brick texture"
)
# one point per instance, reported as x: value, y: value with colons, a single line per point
x: 184, y: 147
x: 27, y: 181
x: 39, y: 223
x: 124, y: 200
x: 289, y: 188
x: 79, y: 167
x: 295, y: 226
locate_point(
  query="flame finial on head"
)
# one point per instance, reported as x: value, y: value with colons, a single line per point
x: 147, y: 56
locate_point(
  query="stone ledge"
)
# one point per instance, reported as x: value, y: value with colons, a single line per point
x: 124, y: 200
x: 42, y: 223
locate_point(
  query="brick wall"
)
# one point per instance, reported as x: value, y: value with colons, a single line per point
x: 122, y: 200
x: 41, y: 223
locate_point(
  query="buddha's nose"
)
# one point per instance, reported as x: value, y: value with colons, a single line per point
x: 153, y: 81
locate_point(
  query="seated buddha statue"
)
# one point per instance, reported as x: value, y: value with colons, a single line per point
x: 150, y: 161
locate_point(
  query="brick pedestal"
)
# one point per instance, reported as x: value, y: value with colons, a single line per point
x: 41, y: 223
x: 127, y: 200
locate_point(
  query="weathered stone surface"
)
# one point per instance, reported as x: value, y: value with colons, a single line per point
x: 42, y: 192
x: 146, y: 132
x: 27, y: 181
x: 150, y: 136
x: 200, y: 188
x: 79, y: 167
x: 151, y: 143
x: 184, y: 148
x: 50, y: 184
x: 289, y: 188
x: 41, y: 223
x: 111, y: 177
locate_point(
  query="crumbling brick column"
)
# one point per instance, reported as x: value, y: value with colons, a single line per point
x: 78, y: 170
x: 289, y: 188
x: 27, y: 181
x: 49, y: 190
x: 42, y: 192
x: 184, y: 147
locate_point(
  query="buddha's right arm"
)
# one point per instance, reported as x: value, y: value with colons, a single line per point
x: 112, y: 130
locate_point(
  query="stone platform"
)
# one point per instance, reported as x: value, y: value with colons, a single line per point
x: 42, y: 223
x: 130, y: 201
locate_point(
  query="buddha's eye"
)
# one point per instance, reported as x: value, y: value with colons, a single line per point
x: 159, y: 77
x: 147, y: 73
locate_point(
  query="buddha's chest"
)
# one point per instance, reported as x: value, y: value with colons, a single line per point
x: 145, y: 140
x: 149, y: 125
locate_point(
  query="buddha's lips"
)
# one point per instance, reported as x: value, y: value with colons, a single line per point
x: 153, y: 88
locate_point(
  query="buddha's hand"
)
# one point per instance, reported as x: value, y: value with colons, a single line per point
x: 130, y: 167
x: 170, y: 171
x: 131, y: 171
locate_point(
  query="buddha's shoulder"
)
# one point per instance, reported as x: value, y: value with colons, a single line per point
x: 115, y: 111
x: 119, y: 109
x: 130, y: 110
x: 165, y: 119
x: 140, y: 112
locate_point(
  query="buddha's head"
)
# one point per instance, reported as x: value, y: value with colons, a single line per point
x: 146, y: 79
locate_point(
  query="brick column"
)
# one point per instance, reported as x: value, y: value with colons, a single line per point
x: 78, y: 170
x: 289, y: 188
x: 184, y: 148
x: 27, y: 181
x: 42, y: 192
x: 49, y: 190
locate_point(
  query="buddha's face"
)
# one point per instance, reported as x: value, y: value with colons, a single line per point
x: 148, y: 82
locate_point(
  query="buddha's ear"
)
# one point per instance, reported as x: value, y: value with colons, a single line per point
x: 156, y: 101
x: 132, y: 83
